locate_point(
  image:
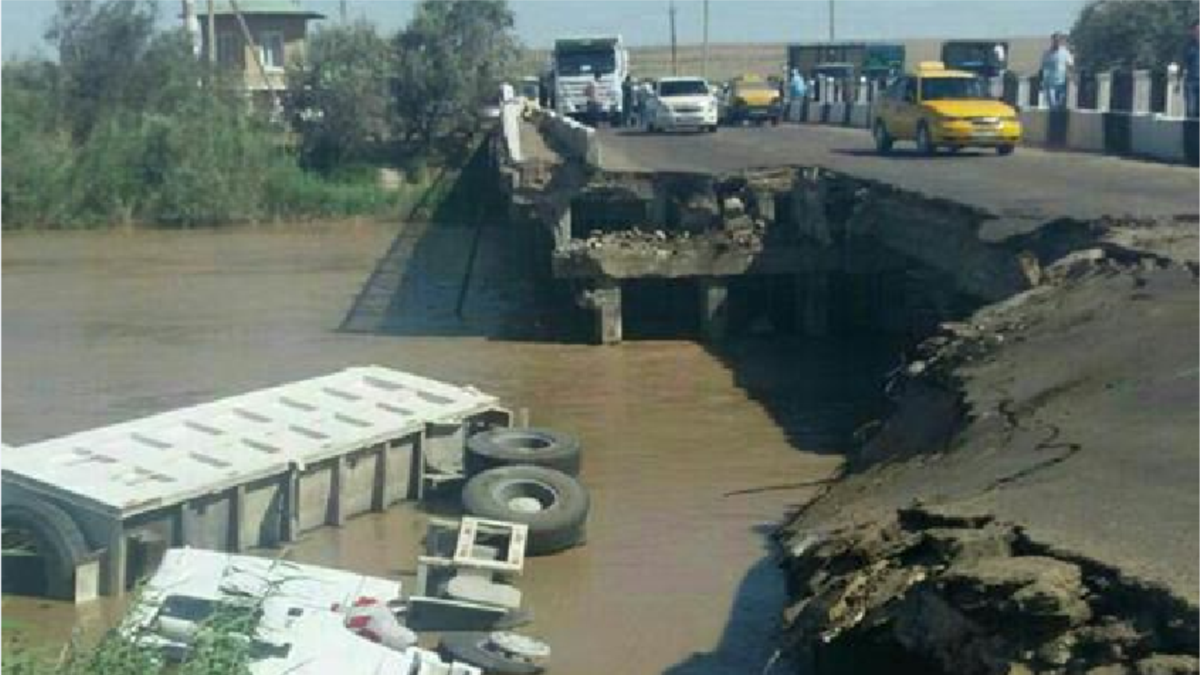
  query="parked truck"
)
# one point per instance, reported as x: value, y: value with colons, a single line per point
x: 985, y: 58
x: 875, y: 61
x: 578, y: 63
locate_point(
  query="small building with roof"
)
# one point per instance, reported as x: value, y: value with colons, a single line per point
x: 278, y: 29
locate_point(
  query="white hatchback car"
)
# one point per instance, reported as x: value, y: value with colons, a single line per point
x: 681, y: 103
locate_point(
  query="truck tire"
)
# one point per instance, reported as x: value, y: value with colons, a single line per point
x: 476, y: 649
x: 57, y: 537
x: 554, y: 505
x: 504, y: 446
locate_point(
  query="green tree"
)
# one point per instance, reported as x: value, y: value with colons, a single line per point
x: 100, y: 47
x: 37, y: 154
x: 1132, y: 33
x: 450, y: 60
x: 339, y: 100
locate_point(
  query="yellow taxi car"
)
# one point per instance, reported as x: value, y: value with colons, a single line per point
x: 750, y: 99
x: 940, y: 108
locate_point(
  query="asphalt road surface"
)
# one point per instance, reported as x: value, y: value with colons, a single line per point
x: 1033, y: 185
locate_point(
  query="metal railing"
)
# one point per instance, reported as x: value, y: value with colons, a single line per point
x: 1134, y: 91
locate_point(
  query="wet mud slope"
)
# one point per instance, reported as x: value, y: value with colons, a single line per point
x: 1030, y: 503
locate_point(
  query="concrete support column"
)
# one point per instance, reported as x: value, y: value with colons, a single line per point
x: 813, y: 299
x: 289, y: 525
x: 562, y: 229
x: 115, y: 563
x: 239, y: 529
x: 1141, y: 91
x: 713, y: 295
x: 605, y: 301
x: 381, y: 496
x: 1073, y: 93
x: 656, y: 209
x: 1103, y: 92
x: 1174, y: 104
x: 1024, y: 85
x: 337, y: 492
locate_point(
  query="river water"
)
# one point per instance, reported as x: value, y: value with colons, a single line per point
x: 690, y: 455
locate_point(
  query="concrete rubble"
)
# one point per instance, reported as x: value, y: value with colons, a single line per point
x: 976, y: 596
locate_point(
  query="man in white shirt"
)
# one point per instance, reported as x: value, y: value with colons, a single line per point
x: 1057, y: 64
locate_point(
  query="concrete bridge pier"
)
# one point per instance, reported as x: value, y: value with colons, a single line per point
x: 604, y: 299
x: 713, y: 294
x: 562, y: 229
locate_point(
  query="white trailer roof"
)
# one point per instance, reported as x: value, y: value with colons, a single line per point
x: 167, y: 458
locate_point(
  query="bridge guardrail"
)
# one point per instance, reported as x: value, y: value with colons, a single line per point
x: 1130, y: 113
x: 575, y: 139
x: 510, y: 125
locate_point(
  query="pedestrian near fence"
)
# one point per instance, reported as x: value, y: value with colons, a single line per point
x: 1057, y: 64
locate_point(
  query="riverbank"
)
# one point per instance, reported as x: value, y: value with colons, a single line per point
x: 1030, y: 505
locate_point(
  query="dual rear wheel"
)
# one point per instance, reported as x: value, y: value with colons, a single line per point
x: 528, y: 476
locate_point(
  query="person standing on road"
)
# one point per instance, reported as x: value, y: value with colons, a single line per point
x: 1191, y: 74
x: 796, y: 86
x: 626, y: 100
x: 592, y: 94
x: 1057, y: 64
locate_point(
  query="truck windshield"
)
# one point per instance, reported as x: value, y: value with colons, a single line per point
x: 942, y: 88
x: 980, y: 57
x: 586, y: 62
x: 682, y: 88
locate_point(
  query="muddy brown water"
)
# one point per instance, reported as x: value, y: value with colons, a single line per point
x: 676, y: 575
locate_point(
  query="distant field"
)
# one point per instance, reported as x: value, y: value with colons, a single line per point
x: 728, y: 60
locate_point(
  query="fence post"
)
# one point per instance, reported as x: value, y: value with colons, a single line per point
x: 1104, y: 91
x: 1024, y: 93
x: 1141, y: 92
x: 1073, y: 92
x: 1173, y: 106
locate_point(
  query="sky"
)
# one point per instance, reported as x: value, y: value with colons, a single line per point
x: 645, y: 22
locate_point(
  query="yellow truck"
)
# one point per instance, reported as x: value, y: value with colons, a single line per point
x: 941, y: 108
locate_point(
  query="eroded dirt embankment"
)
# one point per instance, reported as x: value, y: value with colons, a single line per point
x: 1030, y: 505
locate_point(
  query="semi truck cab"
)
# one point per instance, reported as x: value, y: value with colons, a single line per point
x: 578, y: 63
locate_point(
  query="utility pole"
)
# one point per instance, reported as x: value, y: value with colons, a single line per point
x: 254, y: 51
x: 704, y: 62
x: 212, y: 34
x: 192, y: 25
x: 831, y: 21
x: 674, y: 53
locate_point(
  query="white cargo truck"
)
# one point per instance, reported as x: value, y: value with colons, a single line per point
x: 577, y: 64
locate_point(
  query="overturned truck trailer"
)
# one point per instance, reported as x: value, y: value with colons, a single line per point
x: 96, y: 510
